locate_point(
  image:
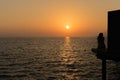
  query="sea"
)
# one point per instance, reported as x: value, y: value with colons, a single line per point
x: 53, y: 58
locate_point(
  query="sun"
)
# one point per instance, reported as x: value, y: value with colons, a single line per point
x: 67, y: 27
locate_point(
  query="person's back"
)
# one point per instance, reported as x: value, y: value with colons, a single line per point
x: 101, y: 44
x: 101, y: 48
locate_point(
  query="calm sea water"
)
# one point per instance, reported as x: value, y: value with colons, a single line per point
x: 52, y: 59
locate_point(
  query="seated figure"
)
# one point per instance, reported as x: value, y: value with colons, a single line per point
x: 101, y: 48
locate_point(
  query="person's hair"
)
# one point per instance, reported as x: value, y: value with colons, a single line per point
x: 100, y: 34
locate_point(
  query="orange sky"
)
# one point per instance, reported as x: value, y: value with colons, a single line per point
x: 49, y: 17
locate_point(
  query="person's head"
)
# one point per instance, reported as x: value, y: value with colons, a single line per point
x: 101, y: 34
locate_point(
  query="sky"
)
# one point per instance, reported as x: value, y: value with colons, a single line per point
x: 49, y: 18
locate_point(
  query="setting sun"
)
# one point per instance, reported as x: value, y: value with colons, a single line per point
x: 67, y: 27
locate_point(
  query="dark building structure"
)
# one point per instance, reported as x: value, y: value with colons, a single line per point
x: 113, y: 43
x: 114, y: 32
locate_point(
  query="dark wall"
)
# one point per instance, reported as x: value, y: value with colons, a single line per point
x: 114, y: 32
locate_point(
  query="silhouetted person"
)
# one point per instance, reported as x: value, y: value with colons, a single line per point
x: 101, y: 44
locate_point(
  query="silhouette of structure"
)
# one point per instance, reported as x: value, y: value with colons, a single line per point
x: 113, y: 51
x: 113, y: 32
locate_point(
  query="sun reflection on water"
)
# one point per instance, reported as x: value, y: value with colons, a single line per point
x: 67, y: 54
x: 68, y: 59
